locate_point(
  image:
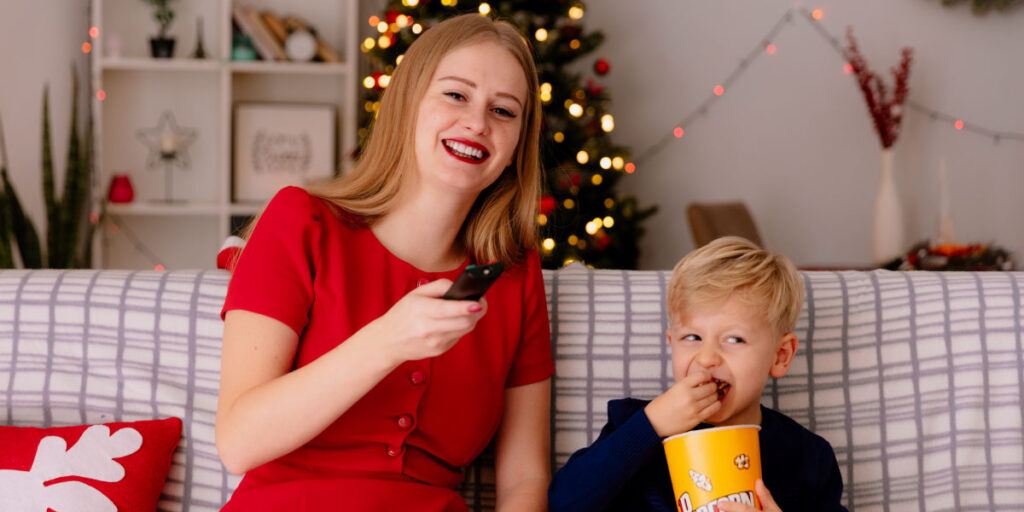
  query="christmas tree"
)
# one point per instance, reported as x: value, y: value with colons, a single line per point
x: 582, y: 218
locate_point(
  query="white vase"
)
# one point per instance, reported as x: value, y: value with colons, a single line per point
x: 887, y: 240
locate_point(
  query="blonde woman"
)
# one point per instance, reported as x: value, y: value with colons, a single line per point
x: 346, y: 381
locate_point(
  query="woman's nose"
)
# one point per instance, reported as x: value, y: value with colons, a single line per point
x: 475, y: 119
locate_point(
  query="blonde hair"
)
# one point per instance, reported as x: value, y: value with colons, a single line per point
x: 501, y: 223
x: 736, y: 265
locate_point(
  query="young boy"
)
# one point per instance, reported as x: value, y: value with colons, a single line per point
x: 732, y: 309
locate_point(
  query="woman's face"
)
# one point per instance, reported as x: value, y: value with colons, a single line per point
x: 470, y: 118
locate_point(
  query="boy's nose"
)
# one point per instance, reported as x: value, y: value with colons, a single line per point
x: 708, y: 356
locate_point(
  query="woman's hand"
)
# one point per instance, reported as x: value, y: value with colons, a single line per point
x: 684, y: 405
x: 765, y: 497
x: 422, y: 324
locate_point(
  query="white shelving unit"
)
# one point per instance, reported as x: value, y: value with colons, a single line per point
x: 201, y: 94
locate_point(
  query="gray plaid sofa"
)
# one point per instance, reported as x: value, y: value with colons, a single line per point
x: 916, y: 379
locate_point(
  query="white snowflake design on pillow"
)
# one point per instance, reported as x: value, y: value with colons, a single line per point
x: 91, y: 457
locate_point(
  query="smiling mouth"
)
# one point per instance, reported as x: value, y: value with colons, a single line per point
x: 464, y: 151
x: 721, y: 387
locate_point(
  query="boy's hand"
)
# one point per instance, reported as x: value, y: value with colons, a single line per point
x: 765, y: 497
x: 684, y: 405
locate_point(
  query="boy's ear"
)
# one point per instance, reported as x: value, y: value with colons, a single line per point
x: 784, y: 355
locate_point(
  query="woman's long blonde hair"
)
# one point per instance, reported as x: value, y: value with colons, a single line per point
x: 501, y: 224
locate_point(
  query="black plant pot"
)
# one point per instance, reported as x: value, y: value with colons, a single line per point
x: 161, y: 47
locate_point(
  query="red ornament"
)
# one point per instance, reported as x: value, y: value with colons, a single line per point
x: 603, y: 242
x: 547, y: 204
x: 391, y: 16
x: 593, y: 89
x: 376, y: 81
x: 602, y: 67
x: 121, y: 190
x: 576, y: 179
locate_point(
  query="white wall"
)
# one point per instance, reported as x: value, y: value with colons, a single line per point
x: 793, y: 137
x: 39, y: 40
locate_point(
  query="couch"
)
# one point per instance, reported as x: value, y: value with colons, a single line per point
x: 916, y: 378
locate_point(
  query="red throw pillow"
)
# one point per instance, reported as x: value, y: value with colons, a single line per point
x: 102, y: 468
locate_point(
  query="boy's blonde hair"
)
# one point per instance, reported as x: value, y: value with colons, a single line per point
x: 736, y: 265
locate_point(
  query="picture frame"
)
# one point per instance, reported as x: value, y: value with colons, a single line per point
x: 280, y: 144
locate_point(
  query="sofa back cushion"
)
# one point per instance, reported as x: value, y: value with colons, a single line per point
x: 916, y: 378
x: 152, y: 351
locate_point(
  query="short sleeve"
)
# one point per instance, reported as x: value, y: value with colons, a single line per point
x: 274, y: 274
x: 533, y: 361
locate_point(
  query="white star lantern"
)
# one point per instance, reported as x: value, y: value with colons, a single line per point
x: 168, y: 147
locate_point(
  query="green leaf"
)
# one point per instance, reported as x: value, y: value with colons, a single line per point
x: 76, y: 182
x: 24, y: 231
x: 52, y: 215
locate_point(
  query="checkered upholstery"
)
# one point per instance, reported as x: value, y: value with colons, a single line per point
x: 915, y: 378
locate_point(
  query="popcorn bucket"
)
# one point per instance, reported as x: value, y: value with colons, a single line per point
x: 714, y: 465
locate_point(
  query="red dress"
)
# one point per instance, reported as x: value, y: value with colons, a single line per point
x: 402, y: 446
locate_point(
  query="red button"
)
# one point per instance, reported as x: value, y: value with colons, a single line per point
x: 404, y: 422
x: 394, y: 451
x: 417, y: 377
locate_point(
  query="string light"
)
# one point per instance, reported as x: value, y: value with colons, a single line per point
x: 369, y: 82
x: 382, y: 27
x: 576, y: 12
x: 607, y: 123
x: 101, y: 95
x: 576, y: 110
x: 630, y: 168
x: 763, y: 48
x: 574, y: 44
x: 569, y: 204
x: 369, y: 43
x: 559, y: 137
x: 410, y: 3
x: 608, y: 222
x: 545, y: 92
x: 617, y: 163
x: 541, y: 35
x: 384, y: 80
x: 597, y: 179
x: 582, y: 157
x: 542, y: 219
x: 609, y: 203
x: 593, y: 227
x: 374, y: 21
x: 606, y: 163
x: 770, y: 49
x: 384, y: 41
x: 158, y: 267
x: 485, y: 9
x: 86, y: 47
x: 398, y: 60
x: 573, y: 239
x: 417, y: 28
x: 94, y: 32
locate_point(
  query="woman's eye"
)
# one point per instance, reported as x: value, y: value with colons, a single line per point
x: 734, y: 339
x: 504, y: 112
x: 455, y: 95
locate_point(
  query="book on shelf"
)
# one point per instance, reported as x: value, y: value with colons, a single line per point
x: 250, y: 23
x: 275, y: 25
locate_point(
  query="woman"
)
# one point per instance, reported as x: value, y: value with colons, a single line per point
x: 346, y: 381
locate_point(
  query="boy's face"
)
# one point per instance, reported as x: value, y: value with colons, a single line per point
x: 732, y: 341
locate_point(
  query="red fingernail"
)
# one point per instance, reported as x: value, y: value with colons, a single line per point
x: 475, y: 308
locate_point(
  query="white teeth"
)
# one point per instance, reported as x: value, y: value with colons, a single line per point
x: 463, y: 150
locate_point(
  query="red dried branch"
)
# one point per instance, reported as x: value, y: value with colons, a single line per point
x: 886, y: 113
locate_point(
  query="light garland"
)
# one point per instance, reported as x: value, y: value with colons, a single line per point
x: 766, y: 47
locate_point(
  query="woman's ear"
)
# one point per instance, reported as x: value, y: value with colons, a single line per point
x: 784, y: 354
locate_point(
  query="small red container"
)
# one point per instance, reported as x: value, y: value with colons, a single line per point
x: 121, y: 190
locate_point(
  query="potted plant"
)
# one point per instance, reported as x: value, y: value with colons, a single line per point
x: 162, y: 46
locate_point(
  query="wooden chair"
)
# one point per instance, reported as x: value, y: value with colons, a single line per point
x: 709, y: 221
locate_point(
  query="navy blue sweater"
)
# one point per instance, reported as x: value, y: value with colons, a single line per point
x: 625, y: 468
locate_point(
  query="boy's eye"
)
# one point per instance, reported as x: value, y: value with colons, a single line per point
x: 691, y: 337
x: 734, y: 339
